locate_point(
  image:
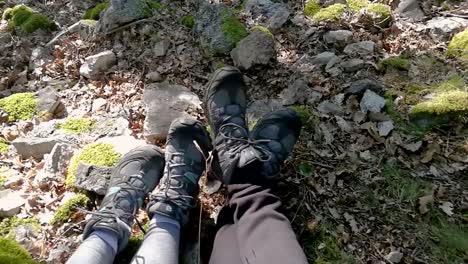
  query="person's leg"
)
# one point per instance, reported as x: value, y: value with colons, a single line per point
x: 188, y: 144
x: 253, y: 230
x: 108, y: 230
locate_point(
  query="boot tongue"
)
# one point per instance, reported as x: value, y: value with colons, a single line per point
x: 248, y: 156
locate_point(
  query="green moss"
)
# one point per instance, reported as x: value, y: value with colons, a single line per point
x: 20, y: 106
x: 89, y: 22
x: 232, y: 28
x: 307, y: 118
x: 64, y: 212
x: 8, y: 225
x: 12, y: 253
x: 311, y: 8
x: 188, y: 21
x: 27, y: 19
x: 263, y: 29
x: 357, y: 5
x: 450, y: 102
x: 95, y: 12
x: 332, y: 12
x: 380, y: 9
x: 451, y: 242
x: 395, y: 63
x: 77, y: 125
x: 3, y: 146
x: 99, y: 154
x: 458, y: 46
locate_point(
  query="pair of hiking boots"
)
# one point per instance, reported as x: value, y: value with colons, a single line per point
x: 240, y: 157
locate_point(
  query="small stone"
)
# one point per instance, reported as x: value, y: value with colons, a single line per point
x: 359, y: 87
x: 40, y: 56
x: 161, y: 48
x: 362, y: 48
x: 164, y: 103
x: 154, y: 76
x: 412, y: 146
x: 96, y: 64
x: 49, y: 104
x: 339, y: 37
x: 34, y: 147
x: 13, y: 181
x: 323, y: 58
x: 365, y: 155
x: 394, y: 256
x: 10, y: 203
x: 271, y: 14
x: 385, y: 128
x: 372, y: 102
x: 55, y: 165
x: 99, y: 104
x: 328, y: 107
x: 295, y: 93
x: 445, y: 27
x: 92, y: 178
x: 343, y: 124
x: 410, y: 9
x: 256, y: 49
x: 352, y: 65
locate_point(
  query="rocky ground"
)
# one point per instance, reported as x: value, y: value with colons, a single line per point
x: 379, y: 174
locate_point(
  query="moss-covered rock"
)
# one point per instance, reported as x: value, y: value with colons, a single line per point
x: 188, y: 21
x: 99, y: 154
x: 455, y: 102
x: 395, y: 63
x: 27, y: 19
x: 357, y: 5
x: 380, y: 13
x: 12, y: 253
x: 20, y: 106
x: 8, y: 225
x: 332, y: 12
x: 312, y: 7
x: 458, y: 46
x: 77, y: 125
x: 232, y: 28
x: 263, y: 29
x: 3, y: 146
x: 95, y: 12
x: 64, y: 212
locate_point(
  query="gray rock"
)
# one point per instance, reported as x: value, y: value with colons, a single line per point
x: 270, y: 14
x: 385, y: 128
x: 359, y: 87
x: 40, y: 56
x: 154, y: 76
x: 445, y: 27
x: 122, y: 144
x: 410, y: 9
x: 28, y: 237
x: 352, y: 65
x: 49, y: 104
x: 328, y: 107
x: 295, y: 93
x: 55, y: 164
x: 5, y: 38
x: 10, y: 203
x: 394, y: 256
x: 92, y: 178
x: 323, y: 58
x: 372, y: 102
x: 259, y: 108
x: 121, y: 12
x: 96, y: 64
x: 161, y: 47
x: 84, y: 28
x: 362, y: 48
x: 164, y: 103
x: 339, y: 37
x: 411, y: 145
x: 34, y: 147
x: 256, y: 49
x: 209, y: 26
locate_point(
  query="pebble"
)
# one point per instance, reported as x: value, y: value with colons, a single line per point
x: 385, y: 128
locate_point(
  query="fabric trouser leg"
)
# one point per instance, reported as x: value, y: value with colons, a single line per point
x: 254, y: 231
x: 93, y: 250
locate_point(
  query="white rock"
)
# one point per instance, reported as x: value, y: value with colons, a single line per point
x: 394, y: 256
x: 97, y: 64
x: 372, y: 102
x: 10, y: 203
x: 99, y: 104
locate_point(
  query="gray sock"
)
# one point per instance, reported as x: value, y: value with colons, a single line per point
x: 161, y: 243
x: 99, y: 248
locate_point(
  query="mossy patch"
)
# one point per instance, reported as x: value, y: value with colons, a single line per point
x: 263, y: 29
x: 27, y: 19
x: 312, y: 7
x: 3, y: 146
x: 332, y: 12
x: 380, y: 9
x: 95, y: 12
x: 64, y: 212
x: 188, y: 21
x: 99, y: 154
x: 357, y: 5
x: 77, y: 125
x: 232, y: 28
x: 458, y: 46
x: 307, y: 118
x: 454, y: 102
x: 20, y: 106
x: 12, y: 253
x: 397, y: 63
x: 8, y: 225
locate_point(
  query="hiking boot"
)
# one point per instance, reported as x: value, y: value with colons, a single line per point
x: 187, y: 149
x: 225, y: 103
x: 136, y: 174
x: 276, y: 133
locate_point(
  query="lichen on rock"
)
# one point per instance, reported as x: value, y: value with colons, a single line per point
x: 99, y: 154
x: 77, y: 125
x: 65, y: 211
x: 263, y: 29
x: 20, y: 106
x: 458, y: 46
x: 27, y: 19
x: 357, y: 5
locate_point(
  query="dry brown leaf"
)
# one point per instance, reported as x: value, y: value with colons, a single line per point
x: 432, y: 149
x: 423, y: 202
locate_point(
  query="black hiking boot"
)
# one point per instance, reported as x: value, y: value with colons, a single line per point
x: 136, y: 174
x: 187, y: 148
x: 225, y: 103
x: 277, y: 133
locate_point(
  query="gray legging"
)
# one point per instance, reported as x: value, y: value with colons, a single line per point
x: 253, y: 231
